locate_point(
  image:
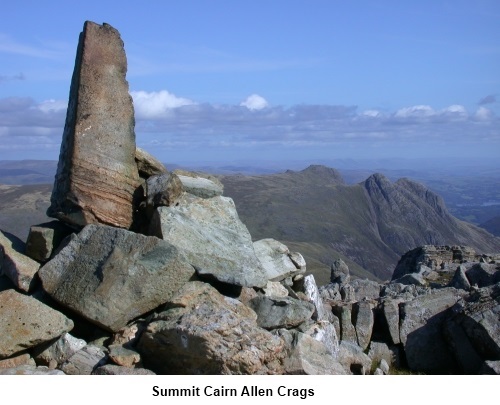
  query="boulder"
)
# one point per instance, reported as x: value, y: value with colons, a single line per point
x: 483, y: 274
x: 390, y: 311
x: 84, y: 361
x: 480, y: 319
x: 390, y: 354
x: 281, y: 312
x: 339, y: 272
x: 56, y: 353
x: 19, y: 268
x: 365, y: 289
x: 324, y: 332
x: 347, y: 330
x: 353, y: 360
x: 26, y: 323
x: 312, y: 293
x: 148, y: 165
x: 214, y: 240
x: 205, y: 332
x: 199, y: 185
x: 163, y: 190
x: 111, y: 276
x: 124, y: 356
x: 276, y: 259
x: 421, y: 331
x: 43, y: 239
x: 459, y: 280
x: 275, y: 289
x: 363, y: 322
x: 310, y: 357
x: 97, y: 176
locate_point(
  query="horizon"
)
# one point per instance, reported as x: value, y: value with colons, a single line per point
x: 292, y: 83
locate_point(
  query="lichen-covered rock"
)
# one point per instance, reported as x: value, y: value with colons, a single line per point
x: 281, y: 312
x: 27, y: 322
x: 111, y: 276
x: 97, y: 176
x: 213, y: 239
x: 276, y: 259
x: 205, y: 332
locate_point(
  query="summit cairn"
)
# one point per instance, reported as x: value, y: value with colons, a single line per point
x: 97, y: 175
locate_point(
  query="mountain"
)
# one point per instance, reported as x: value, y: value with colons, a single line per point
x: 370, y: 224
x: 492, y: 226
x: 23, y: 206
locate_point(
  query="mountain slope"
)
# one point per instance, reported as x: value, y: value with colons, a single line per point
x: 372, y: 223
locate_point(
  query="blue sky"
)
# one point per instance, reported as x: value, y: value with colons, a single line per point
x: 229, y: 81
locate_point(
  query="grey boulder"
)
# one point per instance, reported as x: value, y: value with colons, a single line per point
x: 111, y: 276
x: 214, y: 240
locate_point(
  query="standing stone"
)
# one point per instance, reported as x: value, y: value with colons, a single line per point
x: 97, y: 175
x: 364, y: 320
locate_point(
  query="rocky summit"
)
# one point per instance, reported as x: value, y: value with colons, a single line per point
x: 185, y: 290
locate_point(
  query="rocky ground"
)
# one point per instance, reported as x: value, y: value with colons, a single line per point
x: 160, y: 276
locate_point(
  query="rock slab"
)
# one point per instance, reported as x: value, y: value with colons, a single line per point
x: 111, y: 276
x: 97, y: 175
x: 214, y: 240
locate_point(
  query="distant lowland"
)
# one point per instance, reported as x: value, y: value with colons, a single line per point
x: 368, y: 220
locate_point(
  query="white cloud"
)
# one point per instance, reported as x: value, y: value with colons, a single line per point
x: 484, y: 114
x: 52, y: 105
x: 255, y: 102
x: 417, y: 111
x: 371, y: 113
x: 156, y: 104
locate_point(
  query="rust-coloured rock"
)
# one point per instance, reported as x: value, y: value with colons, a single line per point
x: 97, y: 175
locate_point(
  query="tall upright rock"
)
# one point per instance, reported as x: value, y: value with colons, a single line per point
x: 97, y: 175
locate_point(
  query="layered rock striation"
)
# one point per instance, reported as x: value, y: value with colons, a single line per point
x: 97, y: 176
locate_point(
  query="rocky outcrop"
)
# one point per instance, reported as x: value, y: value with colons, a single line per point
x: 433, y: 258
x: 111, y: 276
x: 214, y: 240
x: 97, y: 176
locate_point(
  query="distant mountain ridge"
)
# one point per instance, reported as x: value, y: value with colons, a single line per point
x: 371, y: 223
